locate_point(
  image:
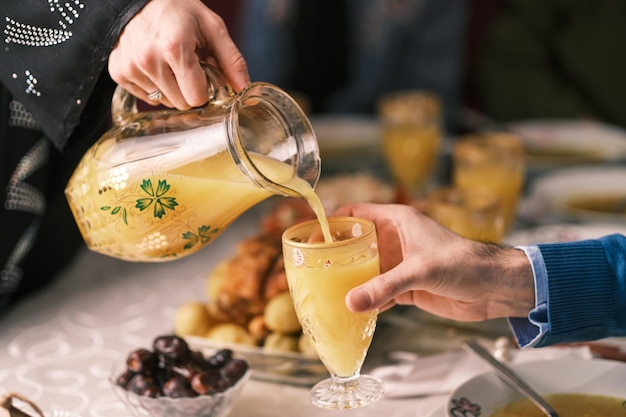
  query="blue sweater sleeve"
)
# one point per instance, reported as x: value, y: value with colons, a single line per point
x: 529, y: 330
x: 586, y: 292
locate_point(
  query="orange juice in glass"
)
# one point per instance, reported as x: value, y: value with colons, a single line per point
x: 494, y: 160
x: 411, y: 137
x: 320, y: 274
x: 473, y: 213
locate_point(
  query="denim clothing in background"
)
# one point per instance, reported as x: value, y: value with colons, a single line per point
x: 345, y: 54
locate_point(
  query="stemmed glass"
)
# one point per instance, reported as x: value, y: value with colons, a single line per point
x: 412, y: 136
x: 494, y: 160
x: 319, y: 275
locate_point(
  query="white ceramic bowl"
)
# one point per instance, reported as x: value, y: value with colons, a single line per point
x: 482, y: 395
x: 550, y: 196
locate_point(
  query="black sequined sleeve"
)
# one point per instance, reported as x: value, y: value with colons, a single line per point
x: 53, y: 53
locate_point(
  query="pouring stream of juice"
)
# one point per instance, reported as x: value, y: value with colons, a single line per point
x: 281, y: 173
x: 307, y: 192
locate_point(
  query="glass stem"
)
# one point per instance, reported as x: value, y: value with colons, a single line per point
x: 345, y: 383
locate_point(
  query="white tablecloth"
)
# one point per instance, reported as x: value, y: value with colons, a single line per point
x: 58, y: 346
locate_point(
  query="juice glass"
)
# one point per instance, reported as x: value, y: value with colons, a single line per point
x: 411, y: 137
x: 473, y: 213
x: 319, y: 276
x: 494, y: 160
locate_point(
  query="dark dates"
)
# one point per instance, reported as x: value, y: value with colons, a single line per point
x: 220, y: 358
x: 185, y: 371
x: 173, y: 370
x: 209, y: 382
x: 176, y: 387
x: 142, y: 361
x: 143, y: 384
x: 172, y: 349
x: 234, y: 369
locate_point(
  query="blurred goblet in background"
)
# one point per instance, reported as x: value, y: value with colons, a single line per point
x: 494, y: 160
x: 412, y: 136
x: 473, y: 213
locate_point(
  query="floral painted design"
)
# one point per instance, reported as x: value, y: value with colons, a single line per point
x: 157, y: 202
x: 204, y: 235
x: 117, y: 210
x: 298, y: 257
x: 158, y: 197
x: 463, y: 407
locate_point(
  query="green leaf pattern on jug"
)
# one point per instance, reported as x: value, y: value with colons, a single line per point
x: 205, y: 234
x: 161, y: 204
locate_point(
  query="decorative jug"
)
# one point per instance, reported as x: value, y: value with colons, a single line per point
x: 160, y: 185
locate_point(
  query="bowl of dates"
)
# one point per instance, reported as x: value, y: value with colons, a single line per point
x: 172, y: 380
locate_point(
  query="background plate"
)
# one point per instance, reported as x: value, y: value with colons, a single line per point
x: 488, y: 392
x: 549, y: 196
x: 348, y: 142
x: 564, y: 232
x: 287, y: 367
x: 552, y: 143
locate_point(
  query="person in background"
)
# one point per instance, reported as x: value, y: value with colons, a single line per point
x: 55, y: 97
x: 550, y: 293
x: 556, y: 59
x: 343, y: 55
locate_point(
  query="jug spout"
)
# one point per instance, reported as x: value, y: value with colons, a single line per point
x: 265, y: 121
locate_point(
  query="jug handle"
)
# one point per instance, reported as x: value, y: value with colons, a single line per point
x: 124, y: 104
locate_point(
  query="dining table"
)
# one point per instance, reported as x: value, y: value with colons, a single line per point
x: 58, y: 346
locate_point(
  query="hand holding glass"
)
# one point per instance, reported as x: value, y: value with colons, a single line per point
x: 319, y: 275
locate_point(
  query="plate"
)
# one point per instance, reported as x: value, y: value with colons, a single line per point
x: 552, y: 143
x: 564, y: 232
x: 485, y: 393
x: 347, y: 142
x: 570, y: 193
x: 336, y: 133
x: 285, y: 367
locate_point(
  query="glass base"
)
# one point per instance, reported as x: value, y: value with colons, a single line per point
x: 346, y: 393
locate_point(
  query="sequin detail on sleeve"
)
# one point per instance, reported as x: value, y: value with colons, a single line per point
x: 21, y: 33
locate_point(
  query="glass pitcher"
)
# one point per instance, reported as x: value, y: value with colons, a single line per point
x: 160, y: 185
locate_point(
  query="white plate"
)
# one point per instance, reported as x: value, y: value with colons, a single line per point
x: 564, y: 232
x: 336, y: 133
x: 286, y: 367
x: 347, y: 142
x: 483, y: 394
x: 554, y: 142
x: 548, y: 198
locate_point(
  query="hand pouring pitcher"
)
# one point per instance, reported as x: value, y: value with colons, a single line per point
x: 159, y: 185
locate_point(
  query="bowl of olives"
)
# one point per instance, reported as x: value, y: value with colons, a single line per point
x: 172, y: 380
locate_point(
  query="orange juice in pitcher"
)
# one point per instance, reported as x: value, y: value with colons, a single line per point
x: 161, y: 185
